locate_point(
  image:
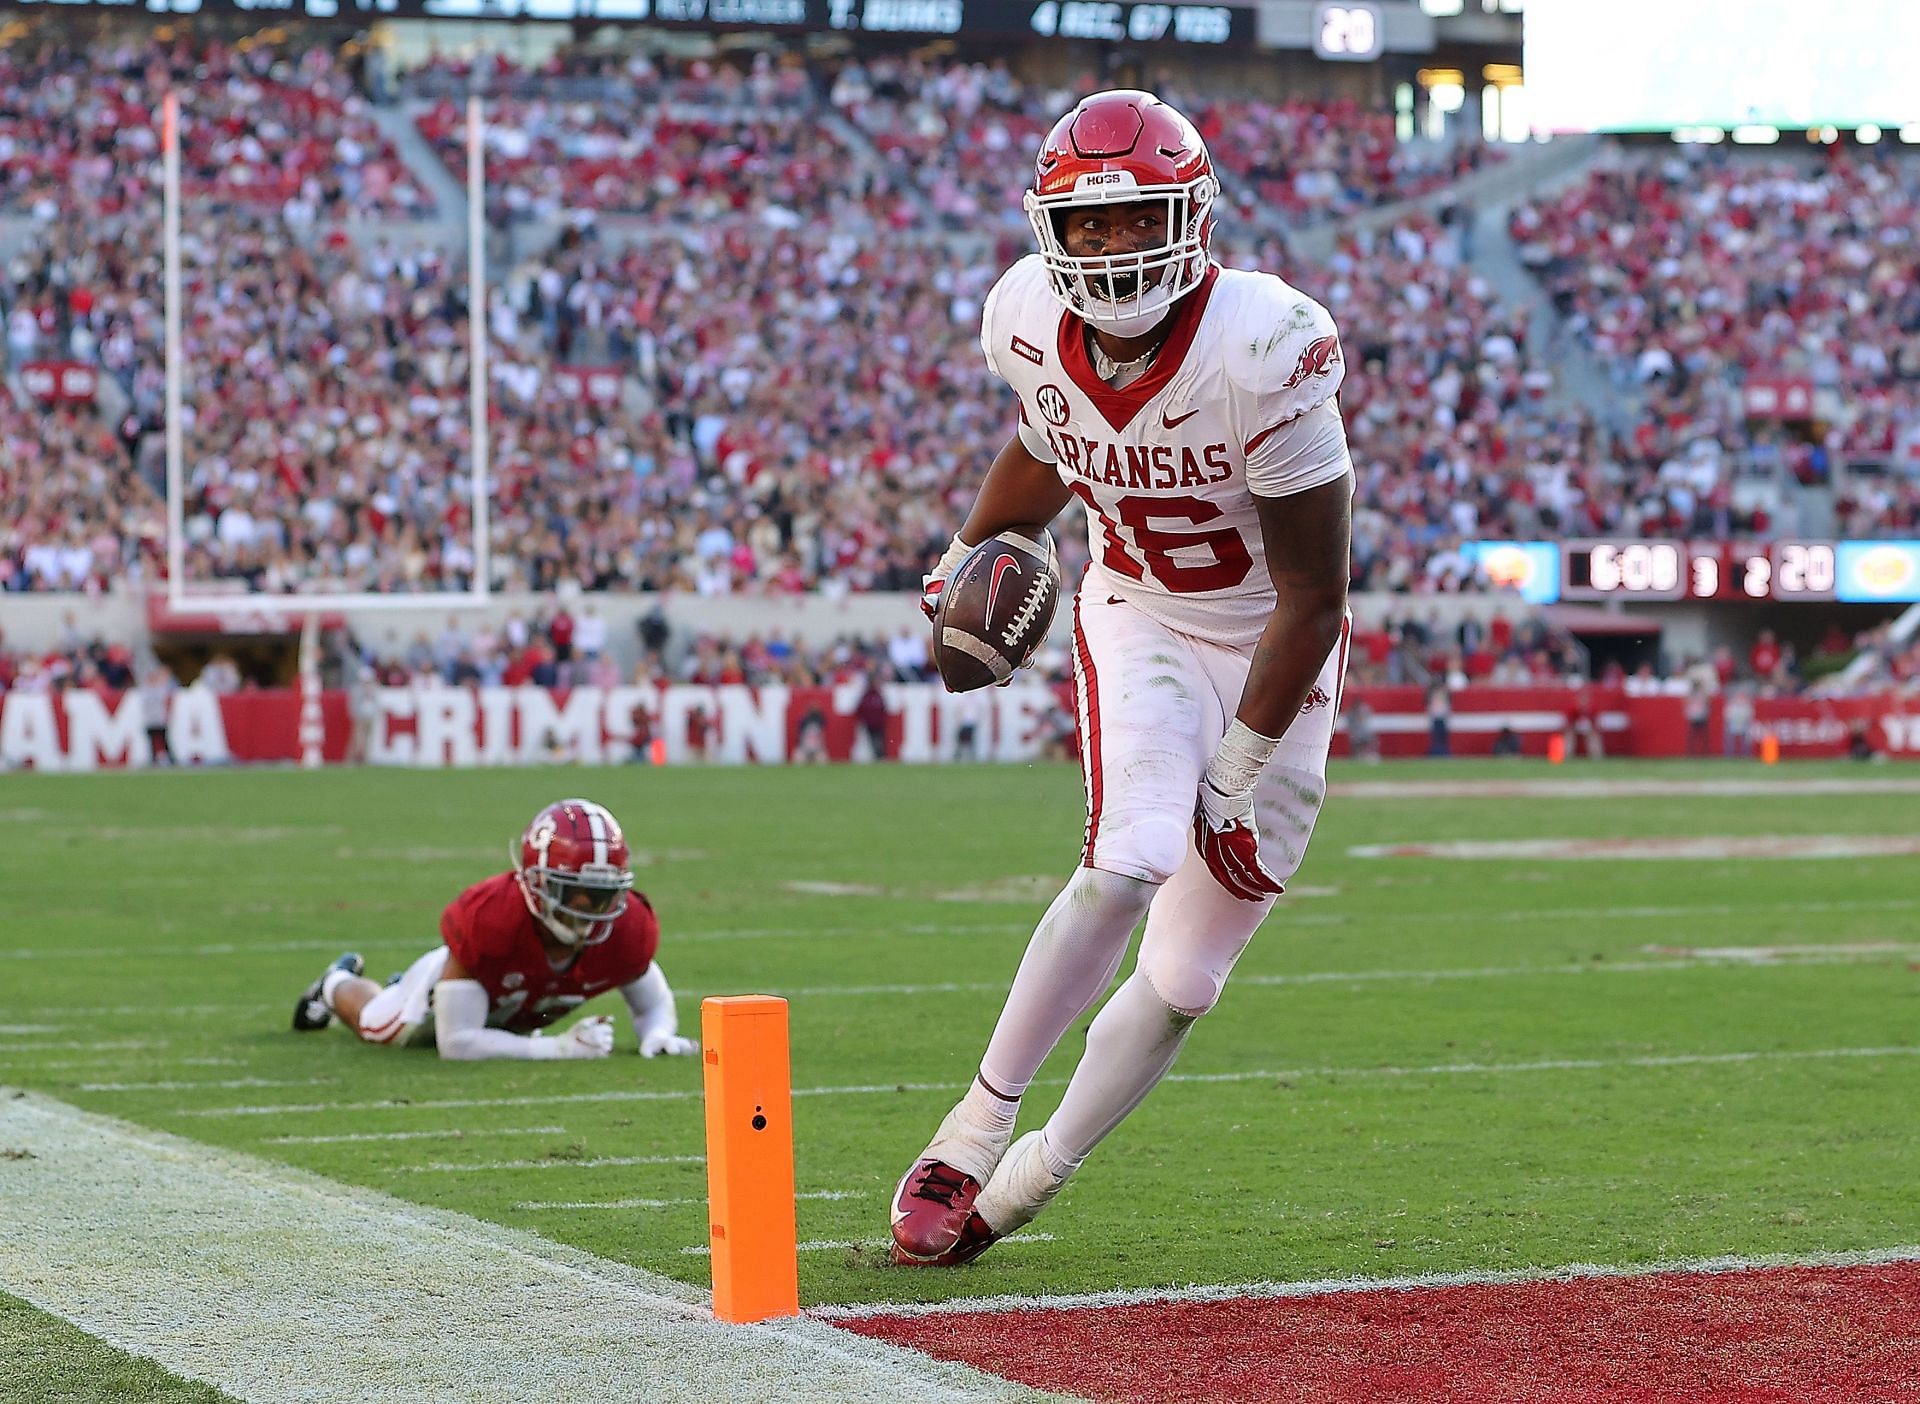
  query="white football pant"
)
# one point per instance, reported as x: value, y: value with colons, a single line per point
x: 401, y: 1015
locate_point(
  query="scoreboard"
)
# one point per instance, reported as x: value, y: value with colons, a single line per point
x: 1700, y: 570
x: 1674, y: 570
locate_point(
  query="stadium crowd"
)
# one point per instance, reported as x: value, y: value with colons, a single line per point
x: 942, y: 144
x: 1693, y: 275
x: 798, y: 403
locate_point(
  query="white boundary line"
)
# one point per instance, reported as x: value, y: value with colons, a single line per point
x: 1571, y: 788
x: 881, y: 929
x: 455, y: 1167
x: 253, y: 1277
x: 542, y: 1205
x: 1681, y: 959
x: 1331, y: 1286
x: 183, y: 1085
x: 828, y: 1245
x: 1671, y: 1060
x: 451, y: 1134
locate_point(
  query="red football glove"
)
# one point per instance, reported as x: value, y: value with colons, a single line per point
x: 1224, y: 832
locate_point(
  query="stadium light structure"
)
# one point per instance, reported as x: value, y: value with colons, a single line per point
x: 179, y: 599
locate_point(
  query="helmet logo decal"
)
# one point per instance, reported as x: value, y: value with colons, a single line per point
x: 1052, y: 402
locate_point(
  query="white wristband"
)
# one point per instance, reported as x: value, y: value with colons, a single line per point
x: 956, y: 552
x: 1243, y: 753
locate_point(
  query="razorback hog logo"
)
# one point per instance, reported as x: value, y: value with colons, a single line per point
x: 1316, y: 698
x: 1322, y: 355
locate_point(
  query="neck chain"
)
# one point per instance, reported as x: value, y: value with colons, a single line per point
x: 1107, y: 368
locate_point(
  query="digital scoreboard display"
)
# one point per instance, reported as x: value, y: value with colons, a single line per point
x: 1109, y: 21
x: 1544, y: 572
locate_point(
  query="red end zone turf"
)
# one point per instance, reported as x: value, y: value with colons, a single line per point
x: 1796, y: 1335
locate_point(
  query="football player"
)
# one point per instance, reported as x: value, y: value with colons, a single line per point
x: 1191, y: 409
x: 519, y: 951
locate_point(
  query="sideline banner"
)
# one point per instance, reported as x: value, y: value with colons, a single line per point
x: 441, y: 727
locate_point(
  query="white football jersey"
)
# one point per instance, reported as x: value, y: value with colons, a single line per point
x: 1168, y: 465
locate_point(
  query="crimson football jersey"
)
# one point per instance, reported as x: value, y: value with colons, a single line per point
x: 496, y: 940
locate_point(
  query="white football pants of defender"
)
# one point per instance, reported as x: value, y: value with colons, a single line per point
x: 402, y: 1014
x: 1153, y: 704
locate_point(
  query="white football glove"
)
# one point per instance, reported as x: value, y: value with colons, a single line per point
x: 590, y: 1038
x: 674, y: 1046
x: 932, y: 583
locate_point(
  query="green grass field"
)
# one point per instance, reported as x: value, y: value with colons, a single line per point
x: 1422, y: 1065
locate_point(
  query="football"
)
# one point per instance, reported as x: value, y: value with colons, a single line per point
x: 995, y: 610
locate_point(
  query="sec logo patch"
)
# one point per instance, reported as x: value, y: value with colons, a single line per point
x: 1052, y: 402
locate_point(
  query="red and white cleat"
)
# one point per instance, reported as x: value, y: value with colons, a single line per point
x: 931, y: 1210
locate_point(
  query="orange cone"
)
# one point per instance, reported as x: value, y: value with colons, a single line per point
x: 1769, y: 749
x: 1556, y: 748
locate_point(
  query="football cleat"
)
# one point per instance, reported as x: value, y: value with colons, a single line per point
x: 935, y: 1197
x: 311, y: 1011
x: 932, y: 1211
x: 1021, y: 1187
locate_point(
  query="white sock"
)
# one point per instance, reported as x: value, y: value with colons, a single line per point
x: 1070, y: 960
x: 1130, y: 1046
x: 988, y: 1110
x: 332, y: 982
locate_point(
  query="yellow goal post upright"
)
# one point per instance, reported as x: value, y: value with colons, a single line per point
x: 180, y: 598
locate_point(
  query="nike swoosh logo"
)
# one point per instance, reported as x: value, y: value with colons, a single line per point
x: 1174, y: 421
x: 1001, y: 565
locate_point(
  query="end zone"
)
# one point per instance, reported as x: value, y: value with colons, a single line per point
x: 1836, y: 1329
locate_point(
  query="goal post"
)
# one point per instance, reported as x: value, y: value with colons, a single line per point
x: 180, y: 598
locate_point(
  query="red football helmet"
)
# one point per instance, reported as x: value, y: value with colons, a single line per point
x: 1115, y: 148
x: 575, y: 871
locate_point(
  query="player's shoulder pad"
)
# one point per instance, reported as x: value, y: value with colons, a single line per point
x: 1280, y: 343
x: 1010, y: 302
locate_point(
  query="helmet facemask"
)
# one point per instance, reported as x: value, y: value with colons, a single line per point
x: 1126, y: 294
x: 578, y: 908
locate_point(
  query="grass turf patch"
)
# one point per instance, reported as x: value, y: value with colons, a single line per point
x: 44, y: 1360
x: 1381, y: 1107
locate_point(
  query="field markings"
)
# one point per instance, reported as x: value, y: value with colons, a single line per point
x: 1682, y: 958
x: 1614, y: 789
x: 250, y: 1276
x: 452, y: 1133
x: 828, y: 1245
x: 889, y: 931
x: 1655, y: 848
x: 190, y: 1085
x: 1652, y: 1060
x: 455, y: 1167
x: 1329, y: 1286
x: 543, y: 1205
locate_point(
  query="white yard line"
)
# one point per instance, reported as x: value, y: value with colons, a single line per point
x: 1570, y: 788
x: 1329, y: 1286
x: 451, y: 1134
x: 828, y: 1245
x: 543, y: 1205
x: 456, y: 1167
x: 1681, y: 958
x: 273, y: 1285
x: 1507, y: 917
x: 189, y: 1085
x: 1672, y: 1060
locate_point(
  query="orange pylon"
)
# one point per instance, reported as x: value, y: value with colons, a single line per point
x: 756, y: 1271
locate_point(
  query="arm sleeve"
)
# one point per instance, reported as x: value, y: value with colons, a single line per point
x: 460, y: 1027
x: 1302, y: 453
x: 650, y: 1001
